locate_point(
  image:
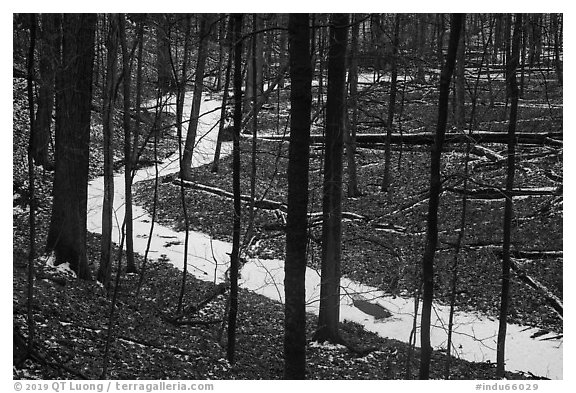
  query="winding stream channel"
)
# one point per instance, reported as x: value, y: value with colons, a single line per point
x: 474, y: 336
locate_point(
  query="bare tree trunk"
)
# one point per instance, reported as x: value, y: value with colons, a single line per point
x: 254, y: 90
x: 224, y: 110
x: 391, y: 104
x: 329, y: 314
x: 455, y: 260
x: 181, y: 97
x: 421, y: 45
x: 105, y: 267
x: 186, y: 163
x: 137, y: 131
x: 296, y: 223
x: 254, y: 65
x: 511, y: 68
x: 67, y: 233
x: 235, y: 255
x: 163, y: 67
x: 48, y: 61
x: 31, y: 189
x: 221, y: 51
x: 557, y: 27
x: 159, y: 106
x: 460, y: 83
x: 130, y: 260
x: 434, y: 201
x: 440, y: 28
x: 352, y: 124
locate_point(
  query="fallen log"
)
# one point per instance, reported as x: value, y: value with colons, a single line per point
x: 265, y: 204
x: 519, y: 254
x: 425, y: 138
x: 485, y: 152
x: 552, y: 300
x: 499, y: 193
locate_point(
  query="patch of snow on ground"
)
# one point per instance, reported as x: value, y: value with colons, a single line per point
x: 208, y: 259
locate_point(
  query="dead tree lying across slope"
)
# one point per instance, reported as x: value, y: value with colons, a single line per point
x: 500, y: 193
x: 265, y: 204
x: 424, y: 138
x: 553, y: 301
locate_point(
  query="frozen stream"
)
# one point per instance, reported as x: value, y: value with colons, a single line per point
x: 475, y: 334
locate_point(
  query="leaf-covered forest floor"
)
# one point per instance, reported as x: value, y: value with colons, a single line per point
x: 72, y: 316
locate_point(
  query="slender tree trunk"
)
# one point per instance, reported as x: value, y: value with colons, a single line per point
x: 224, y: 110
x: 329, y: 314
x: 455, y: 260
x: 130, y: 260
x: 163, y: 67
x: 440, y: 39
x: 186, y: 164
x: 460, y: 83
x: 434, y: 201
x: 254, y: 65
x: 31, y: 187
x: 105, y: 267
x: 254, y: 90
x: 67, y: 233
x: 282, y: 45
x: 159, y: 104
x: 235, y: 255
x: 296, y: 223
x: 557, y: 27
x: 181, y: 97
x: 138, y: 125
x: 221, y: 51
x: 420, y: 48
x: 352, y: 124
x: 48, y: 60
x: 511, y: 68
x: 391, y: 104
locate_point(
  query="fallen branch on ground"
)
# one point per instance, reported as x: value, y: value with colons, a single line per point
x: 499, y: 193
x: 552, y: 300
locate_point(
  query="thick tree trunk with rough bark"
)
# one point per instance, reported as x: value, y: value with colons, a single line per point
x: 296, y: 223
x: 67, y: 233
x: 329, y: 314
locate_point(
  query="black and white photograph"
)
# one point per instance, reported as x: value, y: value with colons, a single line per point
x: 370, y: 196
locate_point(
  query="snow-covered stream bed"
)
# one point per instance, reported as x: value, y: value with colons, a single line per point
x: 475, y: 335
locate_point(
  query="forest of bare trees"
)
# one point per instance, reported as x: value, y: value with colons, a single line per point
x: 297, y: 196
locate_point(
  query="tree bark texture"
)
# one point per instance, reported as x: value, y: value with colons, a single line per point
x: 127, y: 88
x: 67, y: 233
x: 435, y: 190
x: 511, y: 67
x: 105, y: 267
x: 296, y: 223
x: 48, y: 63
x: 235, y: 255
x: 329, y: 314
x: 391, y: 104
x: 186, y: 165
x: 352, y: 124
